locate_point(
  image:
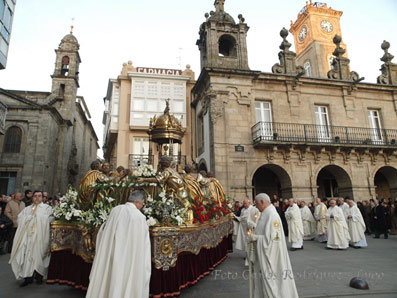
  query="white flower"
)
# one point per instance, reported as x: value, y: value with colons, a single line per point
x: 179, y: 220
x: 77, y: 213
x: 68, y: 216
x: 151, y: 221
x: 110, y: 199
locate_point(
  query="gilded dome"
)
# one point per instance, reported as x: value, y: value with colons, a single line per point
x: 166, y: 127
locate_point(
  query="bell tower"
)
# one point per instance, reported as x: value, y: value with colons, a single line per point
x: 65, y: 79
x: 222, y: 42
x: 313, y: 32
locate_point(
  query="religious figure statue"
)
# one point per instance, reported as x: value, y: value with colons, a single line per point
x: 216, y: 190
x: 90, y: 177
x: 195, y: 183
x: 172, y: 182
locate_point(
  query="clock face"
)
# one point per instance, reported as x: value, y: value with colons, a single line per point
x: 303, y: 33
x: 326, y: 26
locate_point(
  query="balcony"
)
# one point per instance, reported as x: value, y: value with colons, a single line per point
x: 3, y: 114
x: 264, y: 133
x: 137, y: 160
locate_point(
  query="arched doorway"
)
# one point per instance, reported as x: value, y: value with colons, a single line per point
x: 272, y: 180
x: 333, y: 181
x: 386, y: 183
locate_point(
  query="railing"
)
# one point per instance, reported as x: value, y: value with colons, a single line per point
x: 3, y: 114
x: 136, y: 160
x: 273, y: 132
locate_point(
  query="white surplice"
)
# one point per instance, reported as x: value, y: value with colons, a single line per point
x: 345, y: 208
x: 319, y: 214
x: 273, y: 276
x: 247, y: 219
x: 356, y: 226
x: 338, y: 232
x: 122, y: 264
x: 309, y: 223
x: 295, y: 226
x: 31, y: 247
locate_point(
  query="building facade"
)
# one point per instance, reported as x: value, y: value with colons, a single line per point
x: 7, y: 9
x: 136, y: 96
x: 49, y: 141
x: 289, y: 132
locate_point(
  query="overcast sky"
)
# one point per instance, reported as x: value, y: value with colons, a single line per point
x: 163, y: 34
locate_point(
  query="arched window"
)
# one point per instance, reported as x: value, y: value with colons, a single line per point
x: 308, y: 68
x: 65, y: 66
x: 227, y: 46
x: 12, y: 140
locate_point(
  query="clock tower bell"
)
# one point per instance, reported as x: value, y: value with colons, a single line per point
x: 313, y: 33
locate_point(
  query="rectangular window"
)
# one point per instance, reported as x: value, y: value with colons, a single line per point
x: 2, y: 6
x: 263, y: 113
x: 138, y: 104
x: 374, y: 124
x: 165, y: 90
x: 179, y: 91
x: 151, y: 105
x: 322, y: 123
x: 152, y: 89
x: 177, y: 106
x: 139, y: 88
x: 140, y: 146
x: 7, y: 19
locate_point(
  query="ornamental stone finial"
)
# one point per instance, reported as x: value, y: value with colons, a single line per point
x: 287, y: 58
x: 388, y: 69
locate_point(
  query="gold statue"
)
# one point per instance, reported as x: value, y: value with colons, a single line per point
x: 216, y: 189
x: 172, y: 182
x: 89, y: 178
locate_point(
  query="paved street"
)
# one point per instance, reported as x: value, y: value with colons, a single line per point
x: 319, y: 273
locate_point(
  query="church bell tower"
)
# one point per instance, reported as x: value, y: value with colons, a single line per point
x: 313, y: 32
x: 222, y: 42
x: 65, y: 79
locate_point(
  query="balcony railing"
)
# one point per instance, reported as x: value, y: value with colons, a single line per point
x: 3, y: 113
x: 273, y: 132
x: 137, y: 160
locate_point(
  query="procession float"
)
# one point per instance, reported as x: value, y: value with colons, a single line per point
x: 188, y: 213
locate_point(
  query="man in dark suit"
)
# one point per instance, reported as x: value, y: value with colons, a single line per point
x: 379, y: 219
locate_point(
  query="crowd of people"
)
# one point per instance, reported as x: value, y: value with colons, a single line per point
x: 339, y: 222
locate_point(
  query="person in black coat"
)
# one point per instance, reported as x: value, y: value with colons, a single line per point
x: 379, y: 219
x: 280, y: 212
x: 5, y: 227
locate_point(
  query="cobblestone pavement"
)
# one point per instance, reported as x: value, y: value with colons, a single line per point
x: 318, y: 272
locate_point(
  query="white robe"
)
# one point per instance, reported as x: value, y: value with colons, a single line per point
x: 345, y: 208
x: 356, y: 226
x: 273, y: 276
x: 248, y: 219
x: 309, y: 224
x: 295, y: 226
x: 319, y: 214
x: 338, y: 232
x: 31, y: 247
x: 122, y: 264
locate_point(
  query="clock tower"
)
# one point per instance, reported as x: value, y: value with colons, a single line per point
x: 313, y: 33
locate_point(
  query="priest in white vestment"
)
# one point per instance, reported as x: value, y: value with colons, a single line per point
x: 308, y: 221
x: 273, y: 276
x: 122, y: 264
x: 295, y: 225
x: 30, y: 255
x: 338, y: 232
x: 319, y: 214
x: 247, y: 219
x: 343, y: 205
x: 356, y: 226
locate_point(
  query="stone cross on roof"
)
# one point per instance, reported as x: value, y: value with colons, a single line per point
x: 219, y: 5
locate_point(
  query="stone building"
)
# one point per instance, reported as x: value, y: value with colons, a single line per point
x: 310, y: 128
x: 138, y: 94
x: 49, y: 141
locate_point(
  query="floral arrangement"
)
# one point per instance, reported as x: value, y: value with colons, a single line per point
x: 69, y: 209
x: 144, y: 171
x: 164, y: 210
x: 207, y: 210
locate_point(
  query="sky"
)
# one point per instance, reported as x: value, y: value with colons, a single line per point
x: 163, y: 34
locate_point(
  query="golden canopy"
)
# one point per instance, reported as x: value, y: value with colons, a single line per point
x: 166, y: 128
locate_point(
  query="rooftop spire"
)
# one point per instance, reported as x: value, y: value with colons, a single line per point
x: 219, y: 5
